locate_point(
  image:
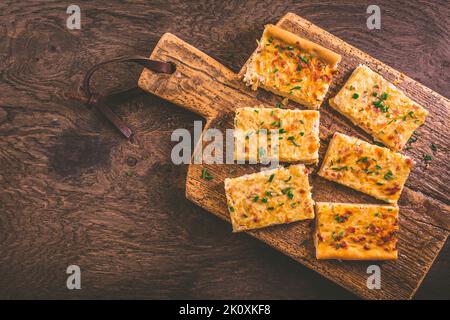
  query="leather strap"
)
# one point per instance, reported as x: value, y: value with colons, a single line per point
x: 97, y: 101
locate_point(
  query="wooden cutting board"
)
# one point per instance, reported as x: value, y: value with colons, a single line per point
x: 206, y: 87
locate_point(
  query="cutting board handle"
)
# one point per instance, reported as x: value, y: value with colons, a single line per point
x: 199, y: 84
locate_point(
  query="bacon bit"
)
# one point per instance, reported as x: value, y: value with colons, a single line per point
x: 358, y: 150
x: 343, y: 245
x: 255, y: 219
x: 351, y: 230
x: 360, y: 239
x: 315, y: 76
x: 325, y: 78
x: 392, y: 190
x: 386, y: 238
x: 366, y: 247
x: 409, y: 162
x: 373, y: 229
x: 319, y: 236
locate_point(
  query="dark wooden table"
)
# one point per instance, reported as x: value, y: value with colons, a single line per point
x: 73, y: 191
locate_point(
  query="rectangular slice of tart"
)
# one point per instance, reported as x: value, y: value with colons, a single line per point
x: 365, y: 167
x: 378, y: 107
x: 349, y: 231
x: 292, y: 67
x: 296, y: 133
x: 270, y: 197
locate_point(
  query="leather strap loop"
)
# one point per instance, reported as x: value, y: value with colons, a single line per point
x: 97, y: 101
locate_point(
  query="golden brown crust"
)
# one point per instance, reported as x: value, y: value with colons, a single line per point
x: 368, y: 168
x: 270, y: 197
x: 379, y: 108
x: 348, y: 231
x: 325, y: 54
x: 292, y: 67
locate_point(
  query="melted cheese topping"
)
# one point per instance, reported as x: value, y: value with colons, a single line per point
x: 356, y: 231
x: 289, y: 71
x: 295, y: 131
x: 270, y: 197
x: 362, y: 166
x: 378, y: 107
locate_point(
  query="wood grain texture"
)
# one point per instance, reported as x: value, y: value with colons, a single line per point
x: 204, y: 86
x: 67, y: 196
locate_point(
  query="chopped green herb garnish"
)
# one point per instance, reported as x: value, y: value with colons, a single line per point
x: 363, y: 159
x: 388, y: 175
x: 355, y: 96
x: 304, y: 59
x: 434, y: 147
x: 350, y: 88
x: 268, y: 193
x: 393, y: 120
x: 255, y: 198
x: 427, y: 157
x: 275, y: 71
x: 206, y: 175
x: 340, y: 168
x: 302, y: 134
x: 271, y: 177
x: 231, y: 208
x: 412, y: 139
x: 292, y: 139
x: 264, y: 200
